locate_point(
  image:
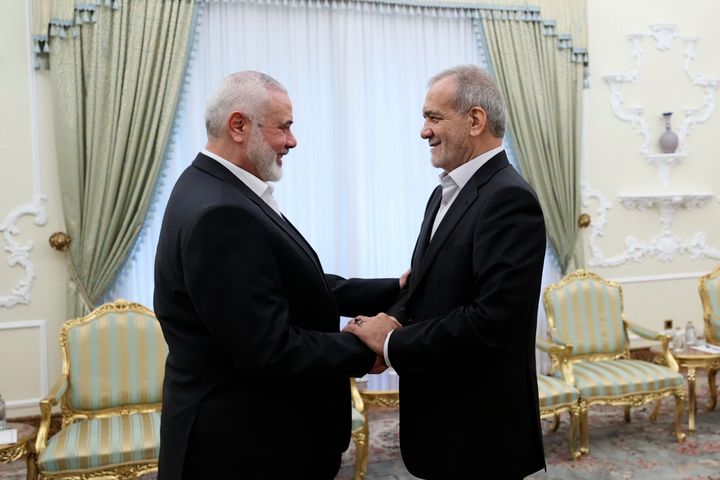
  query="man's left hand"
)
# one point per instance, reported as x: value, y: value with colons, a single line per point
x: 373, y: 330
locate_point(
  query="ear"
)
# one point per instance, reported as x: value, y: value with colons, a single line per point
x: 477, y: 117
x: 238, y: 126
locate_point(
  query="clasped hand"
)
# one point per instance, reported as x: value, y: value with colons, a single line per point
x: 373, y: 331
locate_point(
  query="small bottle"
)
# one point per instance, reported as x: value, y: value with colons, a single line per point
x: 690, y: 336
x: 3, y: 420
x: 678, y: 339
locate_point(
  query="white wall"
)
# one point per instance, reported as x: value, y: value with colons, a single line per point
x: 29, y: 347
x: 654, y: 288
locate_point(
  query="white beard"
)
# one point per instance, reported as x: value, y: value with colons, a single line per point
x: 261, y: 154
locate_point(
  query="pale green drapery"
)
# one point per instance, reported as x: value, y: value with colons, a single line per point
x: 117, y: 71
x: 542, y: 79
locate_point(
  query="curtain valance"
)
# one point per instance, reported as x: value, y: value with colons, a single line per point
x: 60, y: 18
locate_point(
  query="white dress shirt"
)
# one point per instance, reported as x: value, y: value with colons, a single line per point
x: 258, y: 187
x: 451, y: 183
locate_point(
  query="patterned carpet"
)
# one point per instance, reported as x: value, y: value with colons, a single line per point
x: 638, y: 450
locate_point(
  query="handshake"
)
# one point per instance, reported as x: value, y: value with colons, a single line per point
x: 373, y: 331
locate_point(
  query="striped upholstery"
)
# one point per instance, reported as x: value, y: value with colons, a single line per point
x: 357, y: 419
x: 613, y: 378
x: 98, y: 442
x: 116, y: 359
x: 711, y: 286
x: 588, y: 315
x: 554, y: 392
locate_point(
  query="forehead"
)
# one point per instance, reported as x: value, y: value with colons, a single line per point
x: 280, y: 107
x: 441, y: 95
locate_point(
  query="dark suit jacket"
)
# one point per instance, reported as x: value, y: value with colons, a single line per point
x: 466, y: 355
x: 256, y: 377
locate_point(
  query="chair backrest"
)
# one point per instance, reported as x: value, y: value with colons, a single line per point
x: 709, y: 287
x: 586, y: 311
x: 113, y: 357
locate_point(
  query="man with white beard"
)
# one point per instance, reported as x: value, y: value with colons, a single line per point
x: 256, y: 380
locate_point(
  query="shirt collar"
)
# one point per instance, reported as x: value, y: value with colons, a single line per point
x: 462, y: 174
x: 254, y: 183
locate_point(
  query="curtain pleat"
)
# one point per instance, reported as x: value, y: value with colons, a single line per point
x: 542, y: 81
x: 115, y: 86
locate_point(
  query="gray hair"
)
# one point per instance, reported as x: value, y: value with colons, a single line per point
x: 245, y: 92
x: 474, y: 87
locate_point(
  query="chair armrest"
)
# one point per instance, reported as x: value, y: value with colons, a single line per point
x: 648, y: 334
x: 715, y: 323
x: 560, y: 354
x: 46, y: 404
x: 555, y: 337
x: 549, y: 347
x: 643, y: 332
x: 357, y: 400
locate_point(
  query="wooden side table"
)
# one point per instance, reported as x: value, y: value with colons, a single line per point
x: 690, y: 360
x: 24, y: 447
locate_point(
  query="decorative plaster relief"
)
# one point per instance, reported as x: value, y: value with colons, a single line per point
x: 664, y: 35
x: 19, y: 253
x: 665, y: 246
x: 664, y: 162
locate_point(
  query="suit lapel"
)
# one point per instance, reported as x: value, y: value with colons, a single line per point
x: 467, y: 196
x: 425, y: 230
x: 214, y: 168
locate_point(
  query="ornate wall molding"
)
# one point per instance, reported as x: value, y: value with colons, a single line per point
x: 667, y: 204
x: 40, y: 325
x: 664, y: 36
x: 665, y: 246
x: 19, y: 253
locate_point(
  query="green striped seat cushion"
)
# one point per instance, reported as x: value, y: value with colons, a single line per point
x: 554, y: 392
x: 357, y: 419
x: 87, y: 444
x: 616, y: 378
x: 116, y: 359
x: 588, y: 315
x: 712, y: 288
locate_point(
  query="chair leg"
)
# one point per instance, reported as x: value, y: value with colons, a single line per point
x: 656, y: 410
x: 713, y: 389
x: 362, y: 445
x: 556, y: 422
x: 627, y: 413
x: 31, y: 463
x: 584, y: 433
x: 573, y: 432
x: 679, y: 408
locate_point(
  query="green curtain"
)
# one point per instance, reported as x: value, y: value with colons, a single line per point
x: 542, y: 80
x: 116, y: 75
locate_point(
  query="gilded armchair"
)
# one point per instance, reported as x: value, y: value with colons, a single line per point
x: 709, y: 287
x: 109, y: 393
x: 585, y: 312
x: 360, y: 432
x: 557, y: 396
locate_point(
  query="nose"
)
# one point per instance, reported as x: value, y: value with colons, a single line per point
x: 426, y: 132
x: 290, y: 140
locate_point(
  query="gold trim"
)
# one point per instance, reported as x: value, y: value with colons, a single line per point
x: 118, y: 471
x: 59, y: 395
x: 361, y: 436
x: 574, y: 410
x: 707, y: 308
x: 382, y: 398
x: 564, y: 361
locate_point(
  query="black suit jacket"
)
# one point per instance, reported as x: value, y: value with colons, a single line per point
x: 256, y: 377
x: 466, y: 355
